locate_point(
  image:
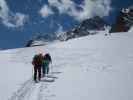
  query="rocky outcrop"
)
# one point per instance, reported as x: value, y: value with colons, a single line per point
x: 87, y: 27
x: 124, y: 21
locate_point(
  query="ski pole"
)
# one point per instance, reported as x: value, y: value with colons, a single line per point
x: 51, y: 69
x: 32, y: 73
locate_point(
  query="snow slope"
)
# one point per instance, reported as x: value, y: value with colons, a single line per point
x: 131, y: 29
x: 94, y: 67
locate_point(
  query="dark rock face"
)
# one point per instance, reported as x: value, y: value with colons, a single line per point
x: 85, y: 28
x: 124, y: 21
x: 95, y: 23
x: 29, y: 43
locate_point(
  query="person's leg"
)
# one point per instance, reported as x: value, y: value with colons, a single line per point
x: 35, y: 73
x: 47, y: 69
x: 39, y: 73
x: 44, y: 70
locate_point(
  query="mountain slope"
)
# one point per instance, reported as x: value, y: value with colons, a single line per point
x: 96, y: 67
x: 86, y: 27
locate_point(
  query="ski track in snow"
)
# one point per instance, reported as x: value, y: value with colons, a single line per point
x: 44, y: 87
x: 27, y: 89
x: 25, y: 92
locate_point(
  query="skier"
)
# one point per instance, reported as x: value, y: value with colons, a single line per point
x: 37, y: 63
x: 46, y: 61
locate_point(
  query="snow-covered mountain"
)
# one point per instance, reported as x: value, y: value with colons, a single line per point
x: 124, y: 21
x: 87, y: 27
x: 41, y: 39
x: 95, y: 67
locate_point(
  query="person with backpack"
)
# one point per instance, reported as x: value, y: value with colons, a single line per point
x: 46, y: 61
x: 37, y: 63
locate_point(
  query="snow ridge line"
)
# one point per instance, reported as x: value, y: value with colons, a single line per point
x: 25, y: 90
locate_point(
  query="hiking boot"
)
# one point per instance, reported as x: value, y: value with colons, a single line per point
x: 43, y: 75
x: 35, y: 81
x: 39, y: 79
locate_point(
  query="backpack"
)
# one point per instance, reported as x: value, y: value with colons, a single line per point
x: 47, y: 57
x: 37, y: 60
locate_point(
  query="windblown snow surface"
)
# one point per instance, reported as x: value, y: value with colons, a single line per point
x: 94, y: 67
